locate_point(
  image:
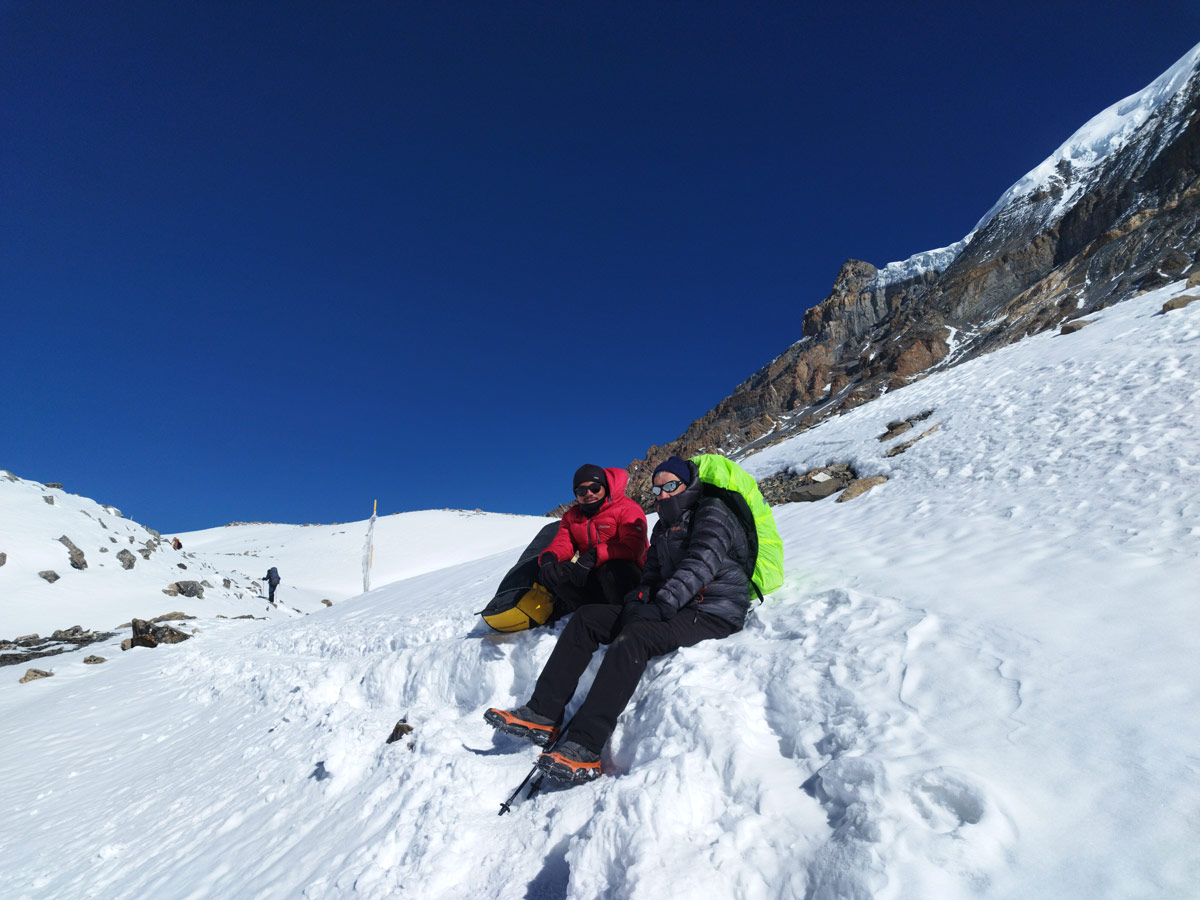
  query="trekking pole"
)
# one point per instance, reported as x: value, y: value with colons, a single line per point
x: 506, y: 806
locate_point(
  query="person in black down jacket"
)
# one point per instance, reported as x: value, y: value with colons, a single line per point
x: 694, y: 587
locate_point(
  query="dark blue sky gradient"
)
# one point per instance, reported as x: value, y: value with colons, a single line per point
x: 275, y: 260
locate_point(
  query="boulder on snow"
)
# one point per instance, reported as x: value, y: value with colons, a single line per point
x: 860, y: 486
x: 93, y: 660
x: 402, y: 728
x: 147, y: 634
x: 74, y: 553
x: 34, y: 674
x: 126, y: 559
x: 1179, y: 302
x: 1074, y: 326
x: 189, y: 588
x: 3, y: 558
x: 48, y: 498
x: 50, y: 575
x: 327, y: 601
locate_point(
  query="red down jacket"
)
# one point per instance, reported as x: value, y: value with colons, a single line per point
x: 617, y: 530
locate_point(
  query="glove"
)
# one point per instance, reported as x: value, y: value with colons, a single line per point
x: 554, y: 573
x: 642, y: 612
x: 582, y: 567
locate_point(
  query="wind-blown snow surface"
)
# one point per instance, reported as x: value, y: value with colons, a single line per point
x: 982, y: 679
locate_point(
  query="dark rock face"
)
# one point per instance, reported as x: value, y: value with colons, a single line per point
x: 1130, y: 224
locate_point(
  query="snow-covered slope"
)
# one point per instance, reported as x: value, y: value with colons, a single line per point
x: 979, y: 680
x: 105, y: 594
x: 327, y: 559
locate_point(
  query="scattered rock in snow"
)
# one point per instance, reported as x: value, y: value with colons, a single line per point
x: 327, y: 601
x: 189, y: 588
x: 815, y: 484
x: 3, y: 558
x: 181, y: 565
x: 1179, y: 302
x: 1072, y: 327
x: 37, y: 647
x: 127, y: 559
x: 76, y: 555
x: 50, y: 575
x: 894, y: 429
x: 103, y: 550
x: 146, y: 634
x: 170, y: 591
x: 145, y: 553
x: 34, y: 674
x: 52, y: 484
x: 860, y: 486
x: 171, y: 617
x: 402, y: 728
x: 1194, y: 279
x: 48, y: 498
x: 93, y: 660
x: 226, y: 583
x: 900, y: 448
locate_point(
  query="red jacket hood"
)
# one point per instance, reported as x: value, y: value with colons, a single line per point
x: 618, y: 479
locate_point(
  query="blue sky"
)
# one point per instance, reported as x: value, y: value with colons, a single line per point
x: 273, y: 261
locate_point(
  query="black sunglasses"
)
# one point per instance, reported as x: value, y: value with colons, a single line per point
x: 668, y: 487
x: 584, y: 489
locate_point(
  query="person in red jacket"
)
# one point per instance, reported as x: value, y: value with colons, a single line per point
x: 608, y: 532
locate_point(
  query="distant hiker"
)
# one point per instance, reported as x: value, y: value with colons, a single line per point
x: 608, y: 531
x: 694, y: 587
x: 177, y: 544
x: 272, y: 582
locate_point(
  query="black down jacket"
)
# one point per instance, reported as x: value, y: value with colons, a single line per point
x: 697, y: 551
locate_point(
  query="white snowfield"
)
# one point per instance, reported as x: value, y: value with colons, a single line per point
x: 981, y: 679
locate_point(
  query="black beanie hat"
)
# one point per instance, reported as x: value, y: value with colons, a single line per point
x: 589, y: 473
x: 676, y: 466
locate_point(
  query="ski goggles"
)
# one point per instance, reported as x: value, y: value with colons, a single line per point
x: 668, y: 487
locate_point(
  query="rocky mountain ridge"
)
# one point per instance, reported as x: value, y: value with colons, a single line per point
x: 1111, y: 214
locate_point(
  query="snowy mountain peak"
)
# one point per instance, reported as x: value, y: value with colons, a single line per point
x: 1064, y: 174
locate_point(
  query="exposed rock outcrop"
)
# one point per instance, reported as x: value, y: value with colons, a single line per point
x: 1083, y: 230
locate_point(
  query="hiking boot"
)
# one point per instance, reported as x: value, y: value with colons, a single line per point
x: 571, y: 762
x: 523, y: 722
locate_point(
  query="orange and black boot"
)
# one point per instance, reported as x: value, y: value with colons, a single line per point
x: 524, y: 723
x: 570, y: 762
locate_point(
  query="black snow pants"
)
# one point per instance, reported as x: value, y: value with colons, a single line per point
x: 632, y: 649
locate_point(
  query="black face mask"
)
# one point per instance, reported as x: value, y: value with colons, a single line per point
x: 671, y: 509
x: 590, y: 509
